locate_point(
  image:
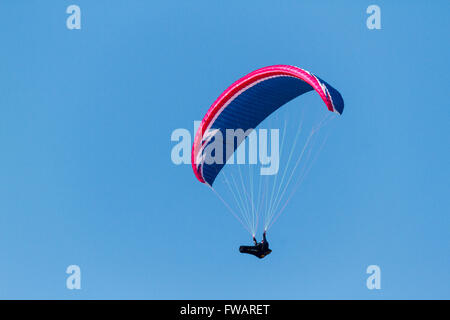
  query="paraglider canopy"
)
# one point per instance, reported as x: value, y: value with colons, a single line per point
x: 247, y: 102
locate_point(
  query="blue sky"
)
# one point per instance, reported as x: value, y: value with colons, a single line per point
x: 86, y: 176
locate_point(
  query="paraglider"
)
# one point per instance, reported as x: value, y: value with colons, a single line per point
x: 243, y: 106
x: 260, y: 249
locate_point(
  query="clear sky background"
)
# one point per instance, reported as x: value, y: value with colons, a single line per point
x: 86, y: 176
